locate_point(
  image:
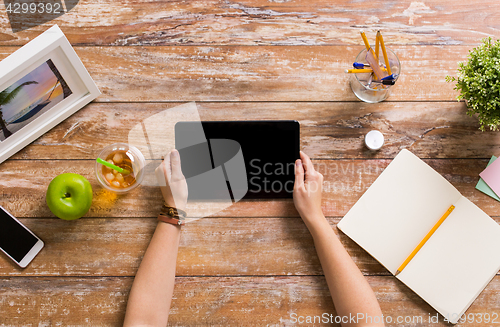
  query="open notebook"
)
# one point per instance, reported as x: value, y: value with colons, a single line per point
x: 400, y: 208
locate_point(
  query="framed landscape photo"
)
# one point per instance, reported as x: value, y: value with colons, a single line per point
x: 41, y: 84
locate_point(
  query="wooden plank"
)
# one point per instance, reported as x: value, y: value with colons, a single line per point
x: 328, y: 130
x: 208, y: 247
x: 63, y: 301
x: 215, y: 301
x: 251, y: 22
x: 264, y: 73
x: 24, y: 184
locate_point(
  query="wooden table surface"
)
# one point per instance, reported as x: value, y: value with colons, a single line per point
x: 253, y: 264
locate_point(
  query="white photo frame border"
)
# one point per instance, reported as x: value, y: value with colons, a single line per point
x: 52, y: 44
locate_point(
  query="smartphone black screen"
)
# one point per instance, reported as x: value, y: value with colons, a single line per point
x: 14, y: 238
x: 269, y: 149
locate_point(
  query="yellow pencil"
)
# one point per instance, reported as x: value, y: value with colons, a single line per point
x: 367, y: 44
x: 377, y: 41
x: 426, y: 238
x: 386, y: 59
x: 368, y: 48
x: 362, y: 70
x: 359, y: 70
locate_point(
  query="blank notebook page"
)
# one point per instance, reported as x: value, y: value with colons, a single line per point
x: 457, y: 262
x: 398, y: 210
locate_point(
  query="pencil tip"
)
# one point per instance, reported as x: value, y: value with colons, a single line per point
x: 397, y: 272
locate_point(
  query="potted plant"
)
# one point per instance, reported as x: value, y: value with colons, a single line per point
x: 478, y: 81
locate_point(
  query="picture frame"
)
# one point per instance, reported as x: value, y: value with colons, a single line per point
x: 41, y: 84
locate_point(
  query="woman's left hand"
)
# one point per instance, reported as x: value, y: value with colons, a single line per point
x: 175, y: 192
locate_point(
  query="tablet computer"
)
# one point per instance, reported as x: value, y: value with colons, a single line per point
x: 268, y: 148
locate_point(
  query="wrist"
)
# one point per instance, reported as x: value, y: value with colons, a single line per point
x: 181, y: 206
x: 172, y: 215
x: 169, y: 231
x: 313, y: 216
x: 168, y: 227
x: 315, y: 222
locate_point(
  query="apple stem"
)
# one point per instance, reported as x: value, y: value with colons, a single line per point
x: 67, y: 195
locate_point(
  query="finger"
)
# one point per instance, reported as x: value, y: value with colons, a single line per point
x: 166, y: 167
x: 299, y: 174
x: 175, y: 162
x: 307, y: 163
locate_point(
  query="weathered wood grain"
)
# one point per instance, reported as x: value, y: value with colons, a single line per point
x: 266, y: 73
x: 208, y: 247
x: 63, y: 301
x: 214, y: 301
x: 24, y: 183
x: 285, y: 60
x: 250, y: 22
x: 328, y: 130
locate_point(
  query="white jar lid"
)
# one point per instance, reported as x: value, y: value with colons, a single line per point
x: 374, y: 140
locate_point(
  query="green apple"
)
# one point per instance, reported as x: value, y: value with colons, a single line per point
x: 69, y: 196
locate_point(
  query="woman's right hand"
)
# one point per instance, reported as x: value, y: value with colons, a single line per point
x: 307, y: 190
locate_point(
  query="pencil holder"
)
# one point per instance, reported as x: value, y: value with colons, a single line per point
x: 363, y: 84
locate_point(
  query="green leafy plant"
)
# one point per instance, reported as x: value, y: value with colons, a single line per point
x: 478, y: 81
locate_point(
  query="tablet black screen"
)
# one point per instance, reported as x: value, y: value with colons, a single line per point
x: 269, y: 149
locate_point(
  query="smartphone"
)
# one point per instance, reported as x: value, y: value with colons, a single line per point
x: 16, y: 240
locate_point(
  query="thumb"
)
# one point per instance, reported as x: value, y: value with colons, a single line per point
x: 175, y: 160
x: 299, y: 174
x: 167, y: 171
